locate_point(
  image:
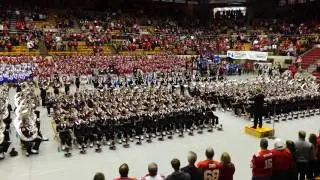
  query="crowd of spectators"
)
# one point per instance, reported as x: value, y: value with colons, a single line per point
x: 125, y: 32
x: 279, y: 37
x: 288, y: 160
x: 85, y: 65
x: 26, y: 19
x: 26, y: 32
x: 4, y: 20
x: 206, y: 169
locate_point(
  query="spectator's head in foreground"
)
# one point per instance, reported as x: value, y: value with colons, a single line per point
x: 124, y: 170
x: 99, y: 176
x: 175, y: 163
x: 264, y: 143
x: 313, y: 139
x: 302, y: 135
x: 209, y: 153
x: 279, y: 145
x: 192, y: 158
x: 290, y: 145
x: 153, y: 169
x: 225, y: 158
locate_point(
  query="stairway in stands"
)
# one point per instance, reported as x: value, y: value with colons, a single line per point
x: 13, y: 23
x: 309, y: 59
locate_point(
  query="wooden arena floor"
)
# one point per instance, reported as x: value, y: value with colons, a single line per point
x: 52, y: 165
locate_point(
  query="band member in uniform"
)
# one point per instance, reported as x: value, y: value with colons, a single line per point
x: 43, y: 92
x: 49, y: 103
x: 77, y: 82
x: 66, y: 81
x: 56, y: 87
x: 4, y: 142
x: 29, y: 139
x: 64, y: 130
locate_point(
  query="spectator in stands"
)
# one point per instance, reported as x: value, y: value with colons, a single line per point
x: 153, y: 173
x: 303, y: 155
x: 317, y: 173
x: 209, y: 167
x: 177, y: 174
x: 293, y: 171
x: 124, y: 171
x: 313, y: 162
x: 99, y: 176
x: 282, y: 161
x: 227, y: 167
x: 9, y: 46
x: 261, y: 162
x: 30, y: 45
x: 191, y: 169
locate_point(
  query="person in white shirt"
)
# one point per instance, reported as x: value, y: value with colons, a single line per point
x: 153, y: 173
x: 30, y: 45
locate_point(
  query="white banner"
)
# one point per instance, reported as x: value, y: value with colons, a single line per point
x: 250, y: 55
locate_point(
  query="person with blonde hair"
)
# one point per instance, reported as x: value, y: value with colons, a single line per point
x: 153, y: 173
x: 227, y: 167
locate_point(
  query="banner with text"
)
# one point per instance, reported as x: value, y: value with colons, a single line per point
x: 250, y: 55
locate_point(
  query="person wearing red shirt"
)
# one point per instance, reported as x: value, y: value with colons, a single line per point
x: 261, y: 162
x: 9, y: 46
x: 124, y: 171
x: 209, y: 167
x: 227, y: 167
x: 282, y: 161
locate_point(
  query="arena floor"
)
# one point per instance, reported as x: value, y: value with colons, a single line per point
x: 52, y: 165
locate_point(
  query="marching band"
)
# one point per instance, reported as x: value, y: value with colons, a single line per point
x: 123, y: 109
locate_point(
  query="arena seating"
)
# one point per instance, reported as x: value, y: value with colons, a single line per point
x: 19, y: 50
x: 310, y: 57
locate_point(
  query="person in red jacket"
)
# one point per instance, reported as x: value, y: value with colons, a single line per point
x: 209, y: 167
x: 261, y: 162
x: 282, y: 161
x: 227, y: 167
x: 9, y: 46
x: 124, y: 171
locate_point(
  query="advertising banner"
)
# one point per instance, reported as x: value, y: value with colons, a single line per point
x: 250, y: 55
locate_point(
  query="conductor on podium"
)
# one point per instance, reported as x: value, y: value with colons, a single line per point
x: 258, y: 109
